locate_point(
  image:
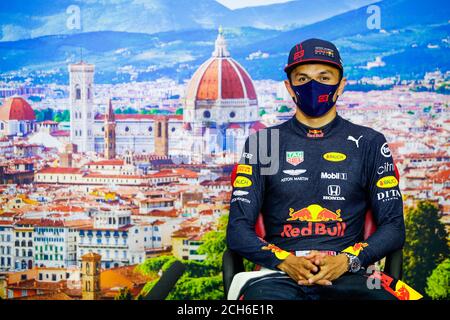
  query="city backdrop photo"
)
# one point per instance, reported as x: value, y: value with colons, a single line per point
x: 121, y: 122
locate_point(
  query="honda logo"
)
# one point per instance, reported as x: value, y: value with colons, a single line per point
x: 334, y: 190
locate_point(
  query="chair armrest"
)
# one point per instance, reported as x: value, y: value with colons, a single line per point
x: 232, y: 263
x: 394, y: 264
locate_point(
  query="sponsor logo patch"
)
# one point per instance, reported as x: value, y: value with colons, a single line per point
x: 279, y: 253
x: 334, y: 192
x: 351, y: 138
x: 294, y: 172
x: 240, y: 193
x: 314, y: 133
x: 299, y: 54
x: 314, y: 213
x: 247, y: 155
x: 385, y: 151
x: 294, y: 157
x: 388, y: 195
x: 387, y: 182
x: 356, y: 248
x: 320, y: 221
x: 333, y: 175
x: 240, y: 199
x: 386, y: 167
x: 242, y: 182
x: 334, y: 156
x: 244, y: 168
x: 321, y: 51
x: 322, y: 98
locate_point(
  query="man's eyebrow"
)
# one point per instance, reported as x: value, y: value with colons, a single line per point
x: 325, y: 71
x: 300, y: 74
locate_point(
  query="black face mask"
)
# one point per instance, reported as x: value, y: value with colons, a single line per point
x: 315, y: 98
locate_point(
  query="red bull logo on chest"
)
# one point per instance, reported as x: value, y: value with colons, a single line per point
x: 316, y: 216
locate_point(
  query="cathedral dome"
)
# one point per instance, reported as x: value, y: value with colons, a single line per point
x: 220, y: 81
x: 16, y: 108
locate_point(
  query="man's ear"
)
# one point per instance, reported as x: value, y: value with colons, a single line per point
x: 340, y: 89
x: 289, y: 89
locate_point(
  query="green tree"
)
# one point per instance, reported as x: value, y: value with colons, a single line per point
x: 57, y: 117
x: 262, y: 112
x: 65, y: 116
x: 284, y: 108
x: 201, y: 288
x: 202, y: 279
x: 39, y: 115
x: 124, y: 294
x: 179, y: 111
x: 214, y: 243
x: 130, y: 110
x: 426, y: 245
x: 438, y: 284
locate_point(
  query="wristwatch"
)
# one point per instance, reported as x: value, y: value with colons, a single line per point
x: 354, y: 264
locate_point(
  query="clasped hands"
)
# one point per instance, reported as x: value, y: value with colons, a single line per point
x: 315, y: 268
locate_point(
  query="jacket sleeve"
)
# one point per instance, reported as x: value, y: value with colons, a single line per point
x: 245, y: 204
x: 386, y: 204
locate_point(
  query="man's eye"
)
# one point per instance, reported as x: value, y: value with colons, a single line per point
x: 302, y: 79
x: 325, y: 78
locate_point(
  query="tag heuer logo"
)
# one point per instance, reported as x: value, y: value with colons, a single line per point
x: 294, y: 157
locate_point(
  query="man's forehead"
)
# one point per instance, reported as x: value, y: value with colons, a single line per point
x: 314, y: 68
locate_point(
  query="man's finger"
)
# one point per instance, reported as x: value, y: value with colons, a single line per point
x: 324, y: 282
x: 310, y: 266
x: 306, y: 274
x: 319, y: 261
x: 312, y: 254
x: 322, y: 274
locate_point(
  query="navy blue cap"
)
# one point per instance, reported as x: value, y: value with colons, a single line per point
x: 313, y: 50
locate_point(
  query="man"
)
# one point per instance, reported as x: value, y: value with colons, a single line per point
x: 324, y: 173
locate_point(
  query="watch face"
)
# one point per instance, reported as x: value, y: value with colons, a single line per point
x: 355, y: 265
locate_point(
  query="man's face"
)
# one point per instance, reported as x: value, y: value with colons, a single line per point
x: 320, y: 72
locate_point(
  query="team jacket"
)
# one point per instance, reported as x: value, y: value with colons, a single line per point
x: 314, y: 187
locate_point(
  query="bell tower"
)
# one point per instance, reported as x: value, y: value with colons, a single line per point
x: 81, y: 82
x: 90, y: 276
x: 110, y: 133
x: 161, y: 136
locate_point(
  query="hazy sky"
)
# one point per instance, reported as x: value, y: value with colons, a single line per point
x: 233, y: 4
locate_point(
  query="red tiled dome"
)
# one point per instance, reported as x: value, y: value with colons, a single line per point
x: 220, y: 77
x: 16, y: 108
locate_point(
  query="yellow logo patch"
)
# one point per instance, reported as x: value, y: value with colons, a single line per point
x: 334, y: 156
x: 241, y: 182
x: 356, y: 248
x: 244, y: 168
x: 387, y: 182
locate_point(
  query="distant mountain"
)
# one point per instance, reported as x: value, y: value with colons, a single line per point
x: 176, y: 54
x: 414, y: 38
x: 23, y: 19
x: 292, y: 14
x: 408, y: 45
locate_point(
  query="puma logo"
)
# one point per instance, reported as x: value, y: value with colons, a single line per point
x: 351, y: 138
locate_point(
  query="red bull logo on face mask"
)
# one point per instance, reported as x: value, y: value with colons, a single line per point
x: 315, y: 215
